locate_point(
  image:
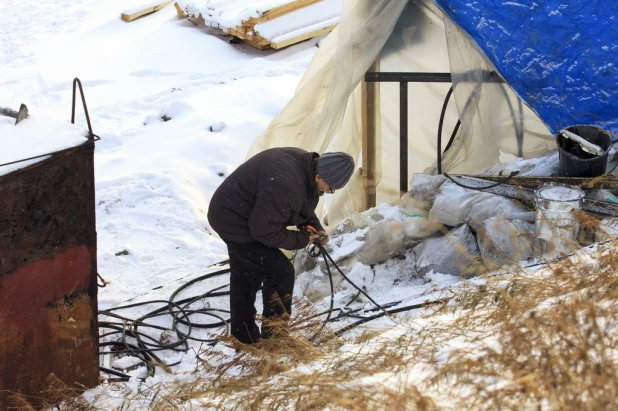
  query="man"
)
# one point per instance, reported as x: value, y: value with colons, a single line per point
x: 251, y: 211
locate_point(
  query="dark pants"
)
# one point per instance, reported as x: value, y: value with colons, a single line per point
x: 253, y: 265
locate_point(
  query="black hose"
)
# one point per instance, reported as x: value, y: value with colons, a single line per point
x: 332, y: 294
x: 518, y: 123
x: 382, y: 314
x: 506, y: 179
x: 146, y: 346
x: 145, y: 350
x: 440, y: 123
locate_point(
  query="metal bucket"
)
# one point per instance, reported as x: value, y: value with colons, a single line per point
x: 556, y: 224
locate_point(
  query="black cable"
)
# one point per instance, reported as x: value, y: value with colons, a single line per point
x: 332, y: 293
x: 450, y: 140
x: 440, y: 123
x: 123, y: 376
x: 518, y: 123
x: 382, y: 314
x: 327, y: 257
x: 145, y: 350
x: 103, y: 282
x: 146, y: 347
x: 513, y: 174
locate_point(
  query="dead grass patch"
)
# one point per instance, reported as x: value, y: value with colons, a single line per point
x: 521, y: 340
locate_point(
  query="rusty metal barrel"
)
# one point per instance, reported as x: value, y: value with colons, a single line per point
x: 48, y: 278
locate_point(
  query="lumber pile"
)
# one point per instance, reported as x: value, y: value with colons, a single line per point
x: 265, y: 23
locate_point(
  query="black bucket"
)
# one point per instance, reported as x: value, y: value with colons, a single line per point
x: 574, y: 162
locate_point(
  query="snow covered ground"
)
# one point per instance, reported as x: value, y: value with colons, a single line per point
x: 176, y: 108
x: 154, y: 178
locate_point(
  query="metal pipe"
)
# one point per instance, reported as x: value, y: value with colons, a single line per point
x: 396, y: 77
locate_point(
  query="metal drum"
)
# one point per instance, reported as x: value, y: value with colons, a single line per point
x: 556, y: 224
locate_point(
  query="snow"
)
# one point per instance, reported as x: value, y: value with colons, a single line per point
x: 35, y: 136
x: 177, y: 109
x: 231, y: 13
x: 561, y: 193
x: 154, y: 178
x: 140, y: 6
x: 305, y: 30
x: 312, y: 17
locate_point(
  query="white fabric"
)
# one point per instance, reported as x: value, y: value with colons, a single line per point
x: 325, y: 113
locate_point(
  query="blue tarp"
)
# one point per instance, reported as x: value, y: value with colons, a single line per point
x: 560, y: 57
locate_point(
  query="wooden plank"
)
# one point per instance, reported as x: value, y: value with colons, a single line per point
x: 181, y: 13
x: 243, y: 35
x: 247, y: 33
x: 235, y: 33
x: 537, y: 181
x: 260, y: 45
x: 369, y: 97
x: 148, y: 10
x: 279, y: 11
x: 196, y: 20
x: 302, y: 37
x: 241, y: 30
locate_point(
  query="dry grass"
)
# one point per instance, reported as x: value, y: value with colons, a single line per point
x: 55, y: 392
x: 543, y: 340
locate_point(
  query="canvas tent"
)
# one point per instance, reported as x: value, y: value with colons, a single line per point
x: 334, y: 109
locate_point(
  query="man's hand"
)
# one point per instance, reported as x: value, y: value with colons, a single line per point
x: 318, y: 237
x: 313, y: 236
x: 326, y: 237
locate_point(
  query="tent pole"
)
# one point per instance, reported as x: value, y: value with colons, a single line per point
x: 403, y: 137
x: 368, y: 132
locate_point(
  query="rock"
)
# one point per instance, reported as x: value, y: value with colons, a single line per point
x: 216, y: 127
x: 22, y: 114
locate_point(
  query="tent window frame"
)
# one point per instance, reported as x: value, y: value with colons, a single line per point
x: 403, y: 78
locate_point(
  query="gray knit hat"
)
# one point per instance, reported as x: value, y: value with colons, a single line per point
x: 335, y: 169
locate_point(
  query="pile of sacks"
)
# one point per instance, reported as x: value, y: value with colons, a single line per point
x: 438, y: 226
x: 442, y: 227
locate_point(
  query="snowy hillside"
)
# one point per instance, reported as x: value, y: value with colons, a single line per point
x: 176, y: 109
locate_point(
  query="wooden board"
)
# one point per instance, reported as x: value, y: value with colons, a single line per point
x: 279, y: 11
x: 369, y: 97
x: 302, y: 37
x: 180, y: 11
x: 261, y: 45
x: 148, y: 10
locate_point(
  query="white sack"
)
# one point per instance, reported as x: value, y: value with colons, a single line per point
x: 389, y: 238
x: 456, y: 253
x: 455, y: 205
x: 425, y: 187
x: 608, y: 230
x: 503, y: 241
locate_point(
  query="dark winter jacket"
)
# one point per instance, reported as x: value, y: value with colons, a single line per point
x: 272, y: 190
